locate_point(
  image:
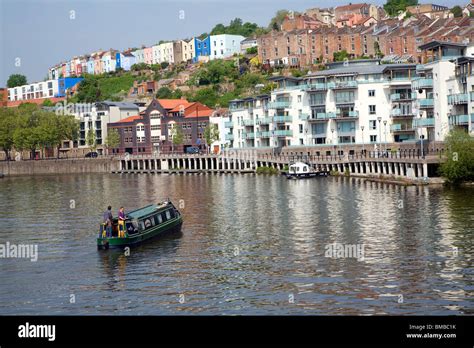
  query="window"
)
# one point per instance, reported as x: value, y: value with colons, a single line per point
x: 299, y: 98
x: 168, y: 215
x: 156, y: 127
x: 372, y: 124
x: 371, y: 92
x: 373, y: 138
x: 372, y: 109
x: 301, y: 128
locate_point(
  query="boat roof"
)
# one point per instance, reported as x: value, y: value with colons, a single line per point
x: 148, y: 210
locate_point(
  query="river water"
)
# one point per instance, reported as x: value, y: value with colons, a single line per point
x: 249, y: 245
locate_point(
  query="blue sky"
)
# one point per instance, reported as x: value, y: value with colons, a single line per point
x: 36, y: 34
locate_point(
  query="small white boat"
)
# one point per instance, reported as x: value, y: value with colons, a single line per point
x: 301, y: 170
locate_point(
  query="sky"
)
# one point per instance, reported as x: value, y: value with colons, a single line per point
x: 37, y: 34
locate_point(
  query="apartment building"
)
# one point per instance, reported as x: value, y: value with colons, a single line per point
x: 43, y: 90
x: 444, y: 88
x: 224, y: 46
x: 153, y: 129
x: 361, y: 102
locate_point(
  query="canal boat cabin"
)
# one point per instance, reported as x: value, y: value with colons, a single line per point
x: 141, y: 225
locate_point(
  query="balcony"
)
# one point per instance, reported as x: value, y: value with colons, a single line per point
x: 422, y: 83
x: 304, y: 117
x: 229, y: 124
x: 426, y: 103
x: 459, y: 98
x: 283, y: 119
x: 279, y: 104
x: 266, y: 134
x: 316, y: 87
x: 237, y: 108
x: 342, y: 85
x: 248, y: 122
x: 423, y: 122
x: 250, y: 135
x: 400, y: 128
x: 459, y: 119
x: 229, y: 137
x: 400, y: 113
x: 283, y: 133
x: 322, y: 116
x: 344, y: 101
x: 401, y: 96
x: 266, y: 120
x: 347, y: 115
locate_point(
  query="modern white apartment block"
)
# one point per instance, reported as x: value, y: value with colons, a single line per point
x: 224, y: 45
x: 95, y: 117
x: 361, y: 102
x: 36, y: 90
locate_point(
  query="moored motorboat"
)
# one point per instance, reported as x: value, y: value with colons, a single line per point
x: 301, y: 170
x: 141, y: 225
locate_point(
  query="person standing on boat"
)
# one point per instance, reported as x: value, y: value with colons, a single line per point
x: 108, y: 221
x: 121, y: 222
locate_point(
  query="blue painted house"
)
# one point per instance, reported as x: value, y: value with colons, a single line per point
x: 124, y: 60
x: 66, y: 83
x: 202, y: 48
x: 90, y: 65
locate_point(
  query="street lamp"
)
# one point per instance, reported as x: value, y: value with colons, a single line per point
x: 380, y: 135
x: 338, y: 142
x: 385, y: 134
x: 422, y: 152
x: 362, y: 129
x: 332, y: 137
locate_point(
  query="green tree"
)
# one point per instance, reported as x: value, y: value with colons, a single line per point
x: 48, y: 102
x: 252, y: 50
x: 113, y: 139
x: 88, y: 90
x: 459, y: 164
x: 164, y: 93
x: 394, y: 7
x: 456, y: 11
x: 91, y: 139
x: 340, y: 56
x: 8, y: 124
x: 178, y: 136
x: 277, y: 20
x: 211, y: 134
x: 16, y: 80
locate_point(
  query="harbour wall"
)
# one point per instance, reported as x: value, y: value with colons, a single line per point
x: 58, y: 166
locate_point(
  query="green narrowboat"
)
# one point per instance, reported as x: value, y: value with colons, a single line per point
x: 141, y: 225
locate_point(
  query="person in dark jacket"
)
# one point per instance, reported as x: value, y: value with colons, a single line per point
x: 108, y: 221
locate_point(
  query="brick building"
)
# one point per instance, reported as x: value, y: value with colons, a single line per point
x: 153, y: 129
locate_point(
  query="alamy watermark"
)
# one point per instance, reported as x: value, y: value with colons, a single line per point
x: 339, y: 251
x: 23, y: 251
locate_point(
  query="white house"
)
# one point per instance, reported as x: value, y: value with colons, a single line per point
x: 224, y: 45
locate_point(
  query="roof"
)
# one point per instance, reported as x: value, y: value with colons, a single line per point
x: 350, y: 7
x: 200, y: 113
x: 145, y: 211
x: 435, y: 43
x: 129, y: 119
x: 361, y: 69
x: 121, y: 105
x: 178, y: 107
x: 172, y: 103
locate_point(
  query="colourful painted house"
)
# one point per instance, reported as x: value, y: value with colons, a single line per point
x: 148, y: 52
x: 202, y: 48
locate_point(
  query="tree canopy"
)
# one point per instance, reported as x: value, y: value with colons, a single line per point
x: 459, y: 164
x: 16, y: 80
x: 28, y: 127
x: 394, y: 7
x: 236, y: 27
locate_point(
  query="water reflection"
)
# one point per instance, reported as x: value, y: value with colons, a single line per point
x: 249, y: 244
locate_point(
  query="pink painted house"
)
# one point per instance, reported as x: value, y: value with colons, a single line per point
x: 148, y: 52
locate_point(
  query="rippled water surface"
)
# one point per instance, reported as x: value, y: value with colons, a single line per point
x: 249, y: 245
